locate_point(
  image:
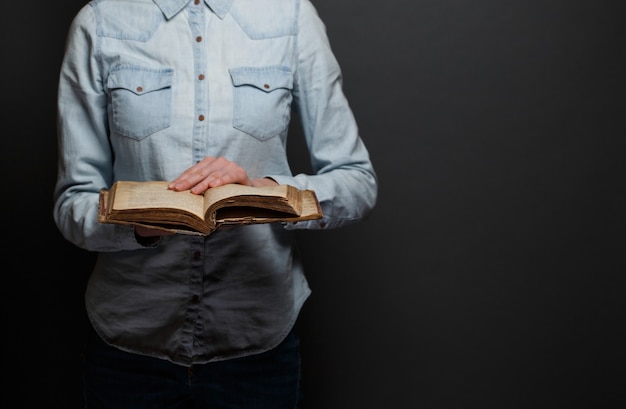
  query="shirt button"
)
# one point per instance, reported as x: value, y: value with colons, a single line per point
x: 196, y: 255
x: 201, y: 118
x: 195, y: 298
x: 198, y: 39
x: 201, y: 77
x: 196, y: 2
x: 139, y: 89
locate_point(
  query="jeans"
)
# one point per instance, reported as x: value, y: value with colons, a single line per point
x: 117, y: 379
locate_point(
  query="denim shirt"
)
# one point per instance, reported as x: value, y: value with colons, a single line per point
x: 149, y: 87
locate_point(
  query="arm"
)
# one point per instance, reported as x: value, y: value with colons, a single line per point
x: 85, y: 156
x: 344, y: 179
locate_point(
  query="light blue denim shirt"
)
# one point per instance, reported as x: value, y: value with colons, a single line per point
x: 149, y: 87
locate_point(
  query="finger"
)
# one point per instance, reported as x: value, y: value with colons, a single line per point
x: 210, y: 172
x: 193, y: 175
x: 229, y: 173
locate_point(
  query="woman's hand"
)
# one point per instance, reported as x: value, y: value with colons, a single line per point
x: 212, y: 172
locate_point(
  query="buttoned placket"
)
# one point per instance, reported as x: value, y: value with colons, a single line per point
x: 197, y: 22
x: 196, y: 12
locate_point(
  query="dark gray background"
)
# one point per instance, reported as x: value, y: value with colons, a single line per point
x: 491, y: 273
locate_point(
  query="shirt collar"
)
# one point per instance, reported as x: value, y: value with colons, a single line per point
x: 171, y: 7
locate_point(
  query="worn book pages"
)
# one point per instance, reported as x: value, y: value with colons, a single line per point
x: 153, y: 204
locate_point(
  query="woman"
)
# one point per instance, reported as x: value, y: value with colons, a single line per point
x: 199, y: 93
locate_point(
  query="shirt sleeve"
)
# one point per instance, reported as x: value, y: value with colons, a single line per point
x: 85, y: 156
x: 343, y: 175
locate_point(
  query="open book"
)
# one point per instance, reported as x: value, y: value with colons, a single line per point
x: 152, y: 204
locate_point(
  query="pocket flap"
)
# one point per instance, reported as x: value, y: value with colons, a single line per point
x: 264, y: 78
x: 140, y: 80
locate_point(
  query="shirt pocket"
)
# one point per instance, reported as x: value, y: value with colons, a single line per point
x: 262, y: 100
x: 141, y: 100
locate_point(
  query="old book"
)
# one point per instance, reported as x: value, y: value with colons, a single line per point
x: 152, y: 204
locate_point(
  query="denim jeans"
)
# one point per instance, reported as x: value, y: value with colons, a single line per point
x: 117, y: 379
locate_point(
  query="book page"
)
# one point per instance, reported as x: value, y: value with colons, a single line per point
x: 152, y: 195
x: 216, y: 194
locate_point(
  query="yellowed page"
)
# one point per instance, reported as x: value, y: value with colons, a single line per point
x: 149, y: 195
x: 216, y: 194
